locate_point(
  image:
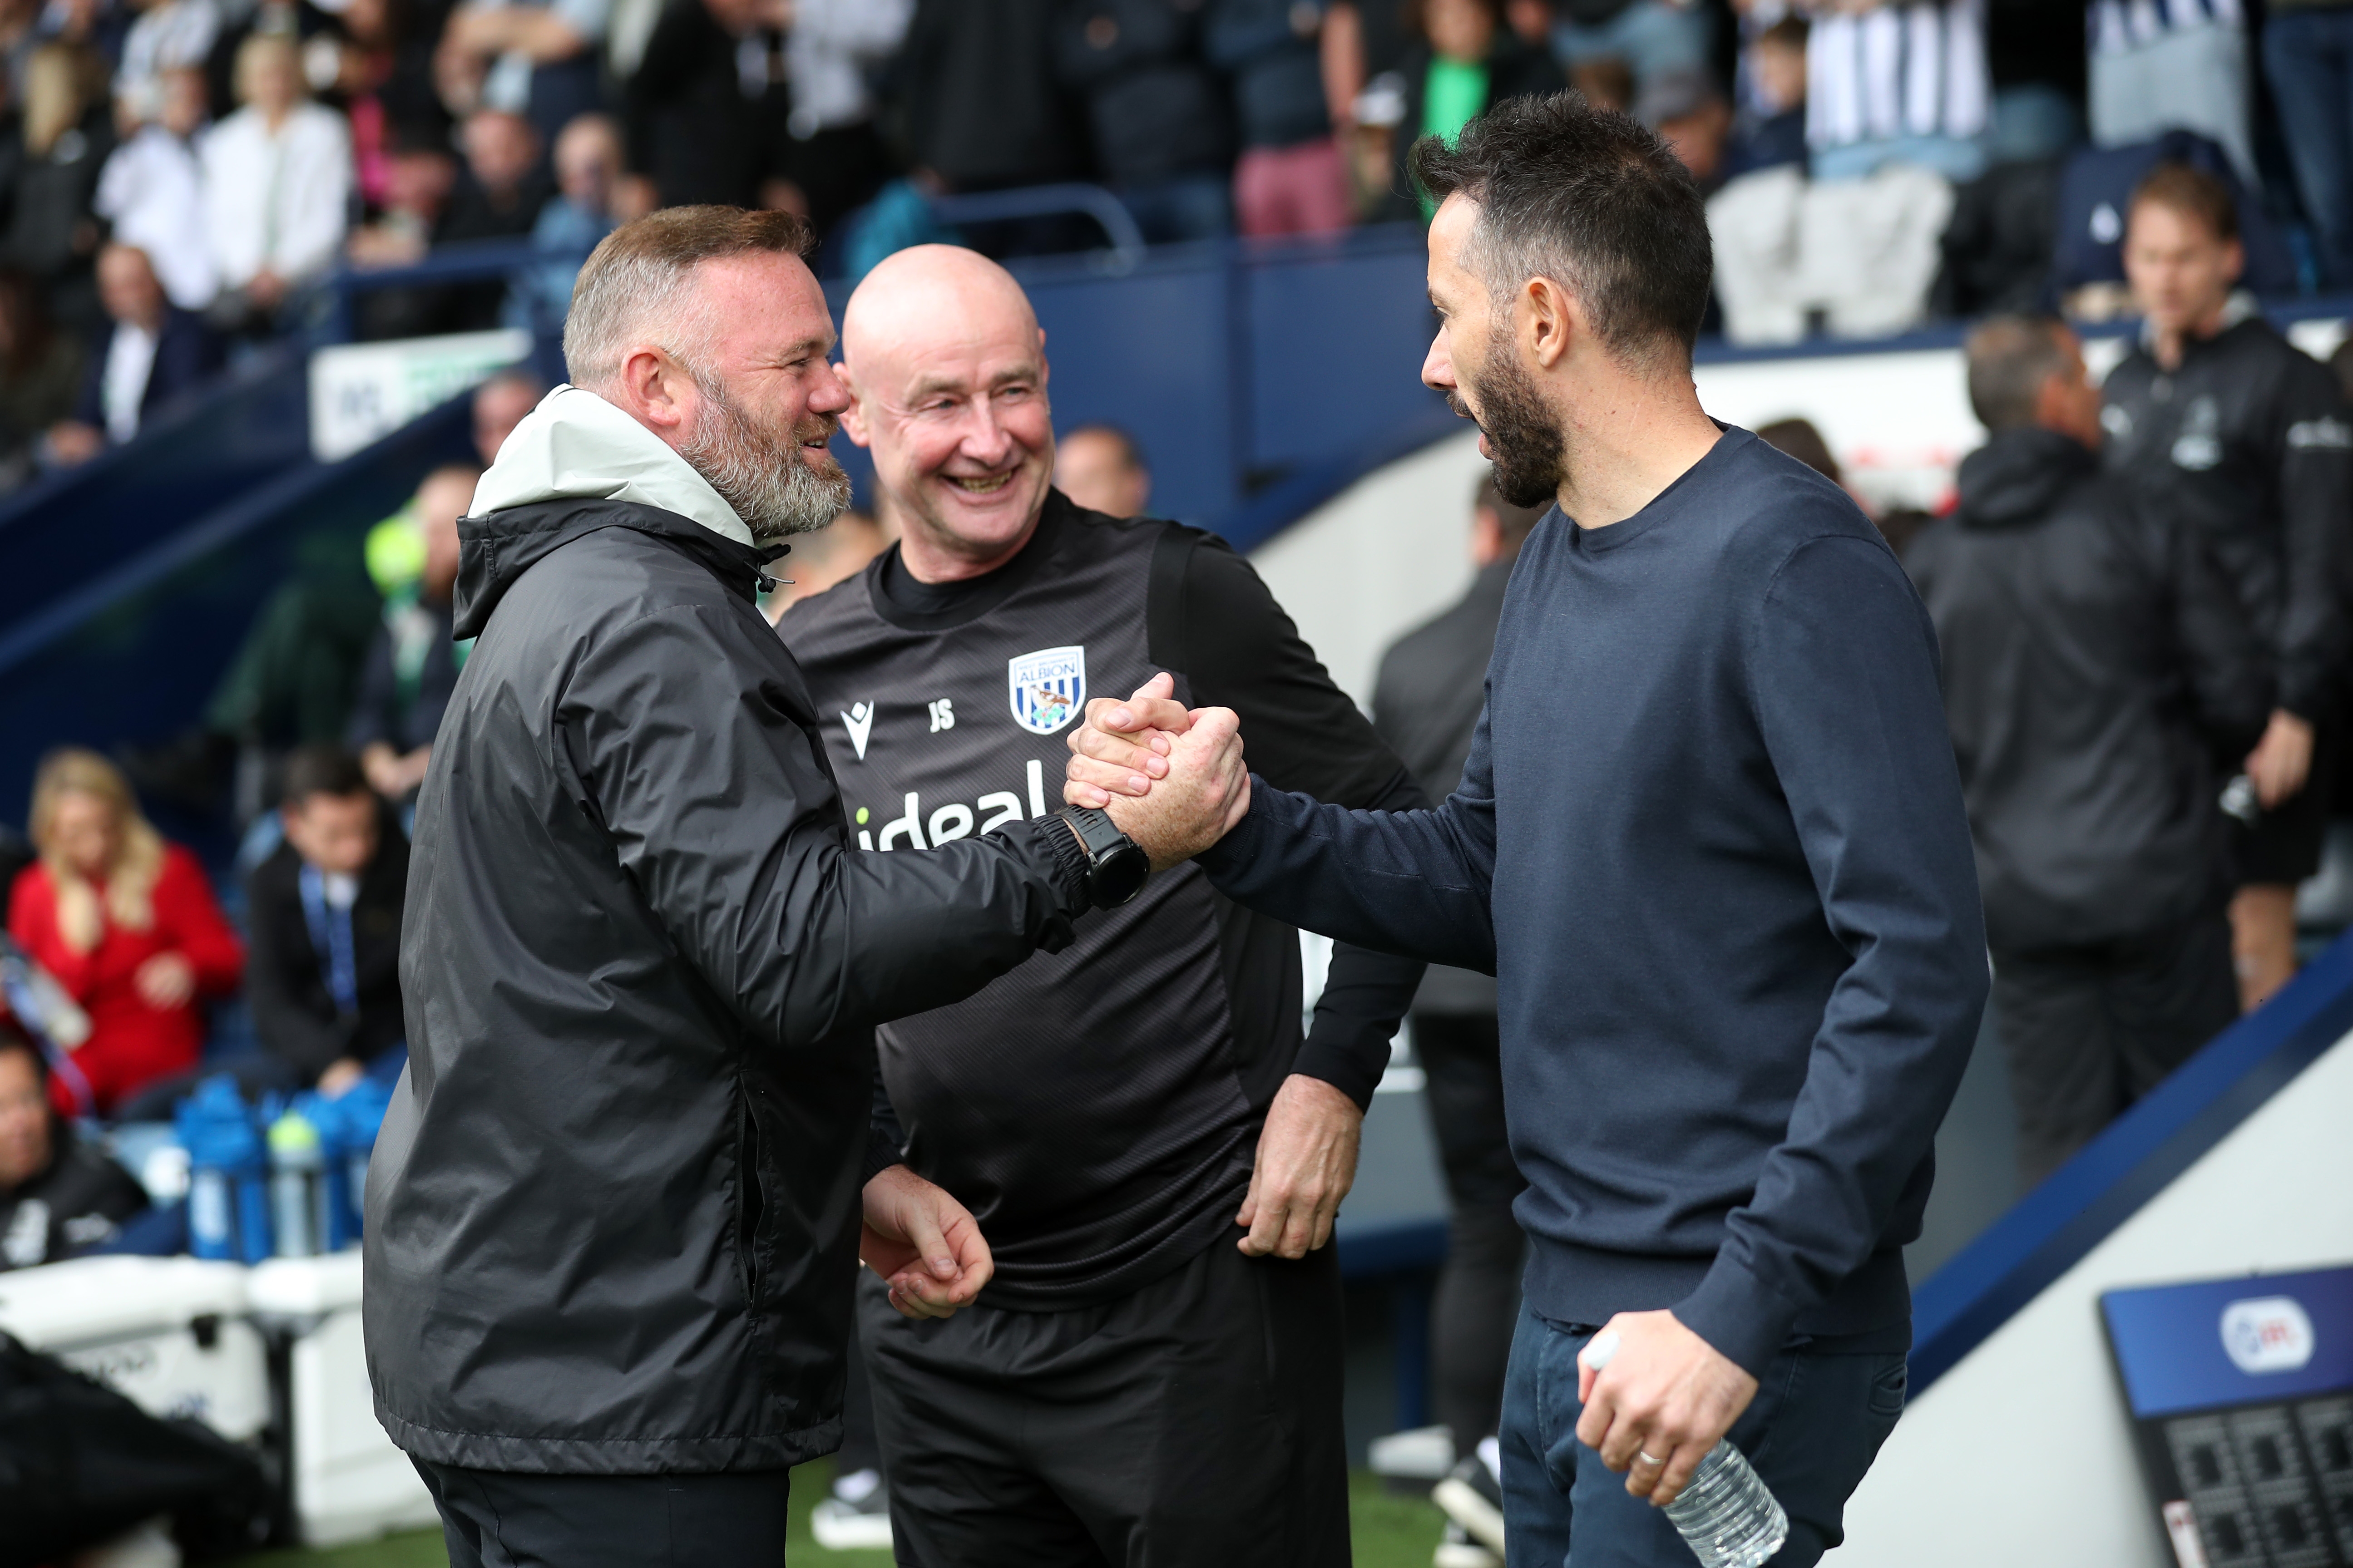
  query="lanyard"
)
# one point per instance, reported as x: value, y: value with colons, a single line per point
x: 331, y: 938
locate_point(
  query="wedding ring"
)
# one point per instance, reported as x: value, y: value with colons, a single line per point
x: 1647, y: 1459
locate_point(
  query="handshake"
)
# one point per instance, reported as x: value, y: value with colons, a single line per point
x: 1169, y: 777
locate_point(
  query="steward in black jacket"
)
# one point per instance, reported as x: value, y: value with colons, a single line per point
x: 2096, y: 668
x: 613, y: 1215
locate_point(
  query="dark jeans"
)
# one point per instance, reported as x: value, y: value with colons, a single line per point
x: 2308, y: 60
x: 1479, y: 1289
x: 1811, y: 1432
x: 492, y: 1518
x: 2088, y: 1030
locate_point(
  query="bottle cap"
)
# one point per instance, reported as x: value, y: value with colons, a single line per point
x: 1600, y: 1351
x: 292, y: 1134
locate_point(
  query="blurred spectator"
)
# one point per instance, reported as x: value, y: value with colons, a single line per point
x: 277, y: 183
x: 385, y: 80
x: 2245, y: 437
x: 2172, y: 65
x: 419, y: 176
x: 412, y: 664
x: 2095, y: 664
x: 984, y: 111
x: 1652, y: 37
x: 499, y: 195
x: 1770, y: 130
x: 1606, y: 82
x: 1100, y: 468
x: 2309, y: 60
x: 151, y: 192
x: 57, y: 1198
x: 500, y: 405
x: 1861, y: 254
x: 1692, y: 117
x: 837, y: 159
x: 50, y: 162
x: 169, y: 36
x: 1897, y: 83
x: 1466, y: 62
x: 150, y: 354
x: 2096, y: 190
x: 708, y: 103
x: 536, y: 59
x: 1291, y: 177
x: 834, y: 553
x: 126, y: 924
x: 1159, y: 118
x: 1425, y: 704
x: 41, y: 375
x: 588, y: 168
x: 324, y: 915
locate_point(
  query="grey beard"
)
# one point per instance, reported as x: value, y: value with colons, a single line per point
x: 759, y: 474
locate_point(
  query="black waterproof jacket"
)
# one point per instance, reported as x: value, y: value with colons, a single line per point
x: 2250, y: 442
x: 2097, y: 664
x: 612, y: 1217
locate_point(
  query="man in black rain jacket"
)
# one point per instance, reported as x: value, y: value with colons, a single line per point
x: 613, y: 1216
x: 2096, y: 665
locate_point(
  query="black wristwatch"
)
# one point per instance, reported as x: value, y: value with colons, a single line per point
x: 1116, y: 864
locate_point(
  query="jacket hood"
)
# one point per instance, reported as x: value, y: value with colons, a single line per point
x: 2017, y: 477
x: 577, y: 464
x: 576, y: 447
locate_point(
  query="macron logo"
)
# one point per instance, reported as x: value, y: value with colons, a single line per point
x: 860, y: 723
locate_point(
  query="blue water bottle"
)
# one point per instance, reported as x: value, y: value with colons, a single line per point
x: 359, y: 1116
x: 228, y: 1197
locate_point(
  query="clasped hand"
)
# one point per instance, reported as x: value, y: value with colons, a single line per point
x: 1170, y: 777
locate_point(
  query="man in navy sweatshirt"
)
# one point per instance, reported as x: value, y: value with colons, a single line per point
x: 1710, y: 841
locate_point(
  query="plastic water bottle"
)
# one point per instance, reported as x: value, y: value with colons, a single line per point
x: 1726, y: 1514
x: 298, y: 1168
x: 228, y: 1194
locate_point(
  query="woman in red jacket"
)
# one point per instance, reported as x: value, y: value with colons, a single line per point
x: 128, y: 925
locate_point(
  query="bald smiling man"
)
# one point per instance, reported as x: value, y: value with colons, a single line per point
x: 1153, y: 1374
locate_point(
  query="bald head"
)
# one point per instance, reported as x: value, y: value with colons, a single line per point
x: 947, y: 370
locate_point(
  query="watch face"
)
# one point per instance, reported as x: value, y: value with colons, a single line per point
x: 1119, y: 875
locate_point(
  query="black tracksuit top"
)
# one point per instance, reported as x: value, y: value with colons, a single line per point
x: 2249, y: 441
x: 1097, y: 1110
x: 2095, y: 662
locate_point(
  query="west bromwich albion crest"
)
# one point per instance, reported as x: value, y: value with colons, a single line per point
x: 1047, y: 688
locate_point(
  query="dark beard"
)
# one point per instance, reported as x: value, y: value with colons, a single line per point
x: 760, y: 474
x: 1524, y: 437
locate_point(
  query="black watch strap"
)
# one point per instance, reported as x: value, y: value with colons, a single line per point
x: 1116, y: 864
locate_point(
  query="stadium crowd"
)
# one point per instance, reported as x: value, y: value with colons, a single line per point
x: 175, y: 175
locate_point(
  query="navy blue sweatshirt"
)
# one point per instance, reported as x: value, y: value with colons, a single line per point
x: 1710, y: 841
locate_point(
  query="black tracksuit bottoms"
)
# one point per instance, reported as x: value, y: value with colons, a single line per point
x: 2088, y: 1030
x: 496, y: 1519
x: 1478, y: 1298
x: 1194, y: 1423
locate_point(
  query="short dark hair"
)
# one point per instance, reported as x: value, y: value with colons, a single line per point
x: 1517, y: 521
x: 1799, y: 438
x: 2010, y: 358
x: 2194, y: 193
x: 1592, y: 200
x: 321, y: 769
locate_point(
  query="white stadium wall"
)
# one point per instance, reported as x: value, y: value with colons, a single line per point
x: 2022, y: 1455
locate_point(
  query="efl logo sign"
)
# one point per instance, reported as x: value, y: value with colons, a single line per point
x: 1047, y: 688
x: 2267, y: 1333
